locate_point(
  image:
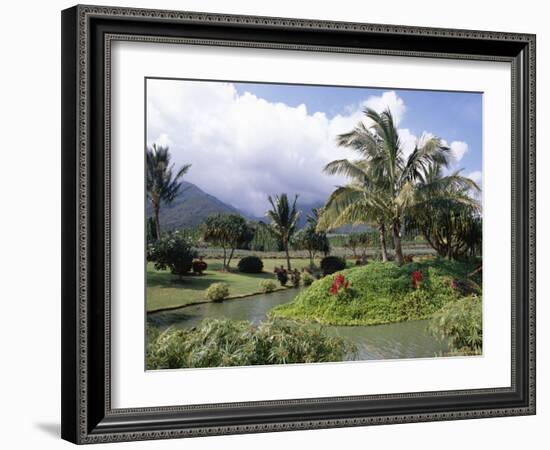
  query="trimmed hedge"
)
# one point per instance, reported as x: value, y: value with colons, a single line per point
x: 332, y: 264
x: 251, y: 264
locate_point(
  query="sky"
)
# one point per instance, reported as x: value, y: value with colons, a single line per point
x: 246, y: 141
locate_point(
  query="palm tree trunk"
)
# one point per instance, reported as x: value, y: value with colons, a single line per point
x: 157, y: 220
x: 287, y: 256
x: 396, y: 233
x: 382, y: 233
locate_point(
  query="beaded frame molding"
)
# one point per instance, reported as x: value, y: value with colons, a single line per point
x: 87, y: 35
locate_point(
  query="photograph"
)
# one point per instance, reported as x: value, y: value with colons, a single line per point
x: 278, y: 222
x: 294, y: 223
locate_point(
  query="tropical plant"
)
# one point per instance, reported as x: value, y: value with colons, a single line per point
x: 447, y: 217
x: 251, y: 264
x: 173, y: 251
x: 217, y: 292
x: 386, y: 184
x: 307, y: 279
x: 295, y: 277
x: 460, y: 323
x: 331, y: 264
x: 283, y: 221
x: 267, y: 286
x: 199, y: 266
x: 229, y: 231
x: 162, y: 184
x: 263, y: 240
x: 282, y: 275
x: 218, y: 343
x: 311, y: 240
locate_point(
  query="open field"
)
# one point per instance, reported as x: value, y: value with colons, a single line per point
x: 412, y: 248
x: 164, y: 290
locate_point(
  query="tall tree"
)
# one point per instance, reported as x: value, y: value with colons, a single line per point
x: 283, y: 221
x: 385, y: 179
x: 162, y: 184
x: 311, y: 240
x: 229, y: 231
x: 446, y: 215
x: 359, y: 202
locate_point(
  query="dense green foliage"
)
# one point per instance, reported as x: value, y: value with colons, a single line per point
x: 222, y: 343
x: 460, y: 323
x: 173, y: 251
x: 382, y: 293
x: 217, y: 292
x: 251, y: 264
x: 332, y: 264
x: 264, y: 240
x: 310, y: 239
x: 447, y: 218
x: 229, y: 231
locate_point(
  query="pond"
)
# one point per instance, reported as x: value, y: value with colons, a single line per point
x: 392, y: 341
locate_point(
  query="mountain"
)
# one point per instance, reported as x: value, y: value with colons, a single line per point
x: 190, y: 208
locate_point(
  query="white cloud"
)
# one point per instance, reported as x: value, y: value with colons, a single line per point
x: 408, y: 141
x: 243, y: 148
x: 388, y: 100
x: 458, y: 150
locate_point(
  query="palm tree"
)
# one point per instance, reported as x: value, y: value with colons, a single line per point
x: 359, y: 202
x: 162, y: 184
x: 385, y: 183
x: 446, y: 215
x: 284, y: 221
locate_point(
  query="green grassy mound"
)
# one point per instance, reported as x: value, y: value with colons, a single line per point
x: 380, y: 293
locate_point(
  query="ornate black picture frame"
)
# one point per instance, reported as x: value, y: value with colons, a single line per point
x: 87, y: 34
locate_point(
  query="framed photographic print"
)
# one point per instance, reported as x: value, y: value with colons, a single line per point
x: 268, y: 222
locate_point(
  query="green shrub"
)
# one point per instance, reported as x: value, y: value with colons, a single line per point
x: 222, y: 343
x: 331, y: 264
x: 267, y: 286
x: 307, y: 279
x: 173, y: 251
x: 251, y: 264
x: 460, y: 323
x: 415, y: 305
x: 217, y: 292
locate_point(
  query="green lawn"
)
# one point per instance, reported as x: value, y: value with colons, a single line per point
x: 164, y: 290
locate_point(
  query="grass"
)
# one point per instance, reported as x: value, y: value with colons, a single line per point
x: 164, y: 290
x: 380, y: 293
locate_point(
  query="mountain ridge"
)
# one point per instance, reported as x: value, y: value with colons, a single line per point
x: 192, y: 206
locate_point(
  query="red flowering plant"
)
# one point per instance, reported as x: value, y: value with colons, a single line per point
x: 341, y: 287
x: 416, y: 279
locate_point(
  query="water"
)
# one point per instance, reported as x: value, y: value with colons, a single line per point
x: 392, y: 341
